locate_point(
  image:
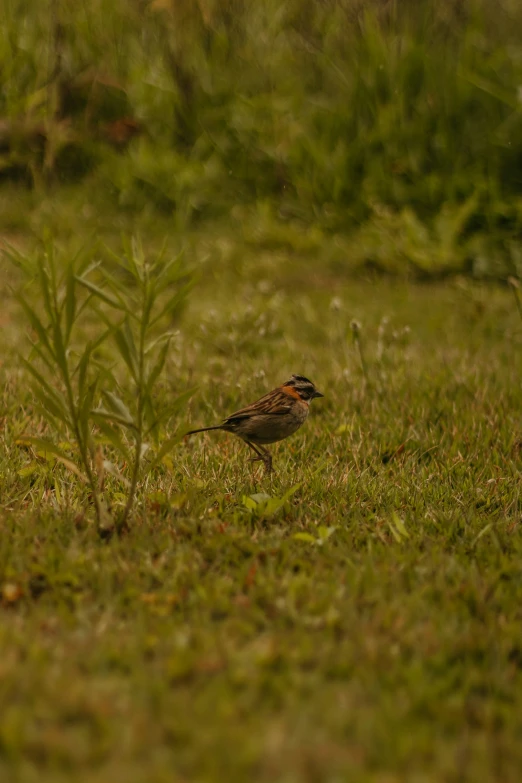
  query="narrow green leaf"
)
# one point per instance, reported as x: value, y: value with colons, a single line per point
x: 45, y: 284
x: 167, y: 336
x: 70, y: 303
x: 128, y: 304
x: 47, y: 446
x: 118, y: 406
x: 170, y: 273
x: 59, y: 349
x: 85, y: 405
x: 47, y: 408
x: 36, y: 324
x: 147, y: 310
x: 102, y: 413
x: 158, y: 366
x: 149, y: 414
x: 82, y: 367
x: 73, y: 468
x: 100, y: 293
x: 173, y: 304
x: 483, y: 532
x: 125, y: 351
x: 293, y: 489
x: 46, y: 394
x: 164, y: 450
x: 44, y: 356
x: 178, y: 404
x: 113, y: 436
x: 87, y: 266
x: 136, y: 258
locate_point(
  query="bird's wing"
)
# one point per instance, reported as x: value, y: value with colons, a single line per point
x: 275, y: 403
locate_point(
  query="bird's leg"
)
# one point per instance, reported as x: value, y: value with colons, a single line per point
x: 260, y: 455
x: 268, y: 461
x: 263, y: 455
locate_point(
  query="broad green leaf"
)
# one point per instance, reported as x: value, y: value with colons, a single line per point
x: 326, y: 532
x: 260, y: 497
x: 249, y: 503
x: 272, y: 506
x: 305, y: 537
x: 275, y: 504
x: 47, y: 456
x: 29, y: 470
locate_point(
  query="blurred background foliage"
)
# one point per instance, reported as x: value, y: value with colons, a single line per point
x: 391, y: 127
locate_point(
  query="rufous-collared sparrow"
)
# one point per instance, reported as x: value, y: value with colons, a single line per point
x: 274, y: 417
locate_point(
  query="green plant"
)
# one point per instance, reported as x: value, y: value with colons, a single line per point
x: 145, y: 295
x: 101, y: 392
x: 262, y: 505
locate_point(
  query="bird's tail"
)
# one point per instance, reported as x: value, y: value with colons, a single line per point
x: 204, y: 429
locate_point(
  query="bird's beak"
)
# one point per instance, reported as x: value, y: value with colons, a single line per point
x: 317, y: 394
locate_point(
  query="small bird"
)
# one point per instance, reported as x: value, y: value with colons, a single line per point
x: 273, y: 417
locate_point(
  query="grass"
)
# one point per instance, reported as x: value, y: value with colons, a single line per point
x: 394, y: 121
x: 362, y: 623
x: 356, y: 616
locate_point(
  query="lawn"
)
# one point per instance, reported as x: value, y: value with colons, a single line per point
x: 356, y: 616
x: 339, y: 182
